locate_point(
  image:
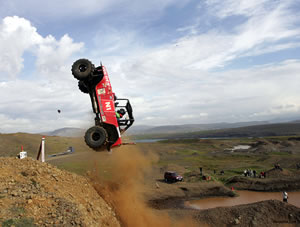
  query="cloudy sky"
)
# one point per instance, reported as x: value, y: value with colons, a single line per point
x: 178, y: 61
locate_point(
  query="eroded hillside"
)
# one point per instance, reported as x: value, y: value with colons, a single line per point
x: 35, y: 193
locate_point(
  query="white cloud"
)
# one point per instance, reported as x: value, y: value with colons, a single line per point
x: 225, y: 8
x: 32, y: 103
x: 53, y: 55
x: 57, y: 10
x: 174, y: 80
x: 201, y: 97
x: 17, y: 35
x: 35, y: 105
x: 260, y: 33
x: 178, y: 81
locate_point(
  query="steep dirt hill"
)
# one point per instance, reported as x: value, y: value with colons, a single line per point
x: 33, y: 193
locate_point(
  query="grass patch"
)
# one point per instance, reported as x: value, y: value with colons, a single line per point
x: 279, y: 153
x: 22, y: 222
x: 76, y: 167
x: 17, y: 210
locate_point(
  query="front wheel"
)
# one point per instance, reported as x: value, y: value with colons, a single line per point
x: 82, y: 68
x: 95, y: 137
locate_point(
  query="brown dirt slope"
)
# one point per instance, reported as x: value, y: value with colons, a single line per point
x: 33, y: 193
x: 265, y: 213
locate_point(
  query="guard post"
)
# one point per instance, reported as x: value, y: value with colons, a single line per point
x: 41, y: 152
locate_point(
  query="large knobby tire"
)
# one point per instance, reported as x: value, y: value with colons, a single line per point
x: 82, y: 87
x: 95, y: 137
x: 82, y: 68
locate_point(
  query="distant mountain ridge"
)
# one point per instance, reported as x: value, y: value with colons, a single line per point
x: 186, y: 128
x: 66, y: 132
x: 278, y: 129
x: 166, y: 129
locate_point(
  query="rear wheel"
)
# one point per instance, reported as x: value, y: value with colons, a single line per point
x: 82, y: 68
x: 95, y: 137
x: 82, y: 87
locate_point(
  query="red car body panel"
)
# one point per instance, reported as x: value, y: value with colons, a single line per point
x: 106, y: 102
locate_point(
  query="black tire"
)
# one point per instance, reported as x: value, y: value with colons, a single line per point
x: 112, y: 133
x: 82, y: 68
x: 95, y: 137
x: 82, y: 87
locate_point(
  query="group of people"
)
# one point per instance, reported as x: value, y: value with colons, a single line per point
x: 277, y: 166
x: 252, y: 173
x: 249, y: 173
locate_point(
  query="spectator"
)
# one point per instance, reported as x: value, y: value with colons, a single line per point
x: 245, y: 172
x: 285, y: 197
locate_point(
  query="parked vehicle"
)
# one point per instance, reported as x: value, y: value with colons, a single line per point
x: 171, y: 176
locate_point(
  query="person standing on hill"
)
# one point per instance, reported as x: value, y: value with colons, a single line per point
x: 285, y: 196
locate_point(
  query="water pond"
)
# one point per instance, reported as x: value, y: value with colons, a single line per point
x: 244, y: 197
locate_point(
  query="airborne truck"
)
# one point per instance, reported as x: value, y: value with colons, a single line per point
x: 108, y: 128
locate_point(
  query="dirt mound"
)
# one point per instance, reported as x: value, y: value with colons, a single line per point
x: 267, y: 184
x: 35, y: 193
x: 277, y: 173
x: 265, y: 213
x: 266, y: 146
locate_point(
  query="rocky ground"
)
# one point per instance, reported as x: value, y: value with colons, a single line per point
x: 276, y: 180
x: 33, y: 193
x: 267, y: 213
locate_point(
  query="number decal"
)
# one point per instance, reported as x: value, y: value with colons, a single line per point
x: 108, y: 106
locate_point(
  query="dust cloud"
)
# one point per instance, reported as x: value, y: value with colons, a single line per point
x: 123, y: 190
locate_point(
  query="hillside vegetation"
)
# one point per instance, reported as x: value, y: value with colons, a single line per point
x: 282, y: 129
x: 10, y: 144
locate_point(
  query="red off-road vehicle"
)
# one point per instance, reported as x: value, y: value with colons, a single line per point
x: 108, y: 129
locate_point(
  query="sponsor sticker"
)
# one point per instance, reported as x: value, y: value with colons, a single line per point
x: 101, y: 91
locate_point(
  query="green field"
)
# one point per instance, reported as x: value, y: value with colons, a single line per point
x: 182, y: 155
